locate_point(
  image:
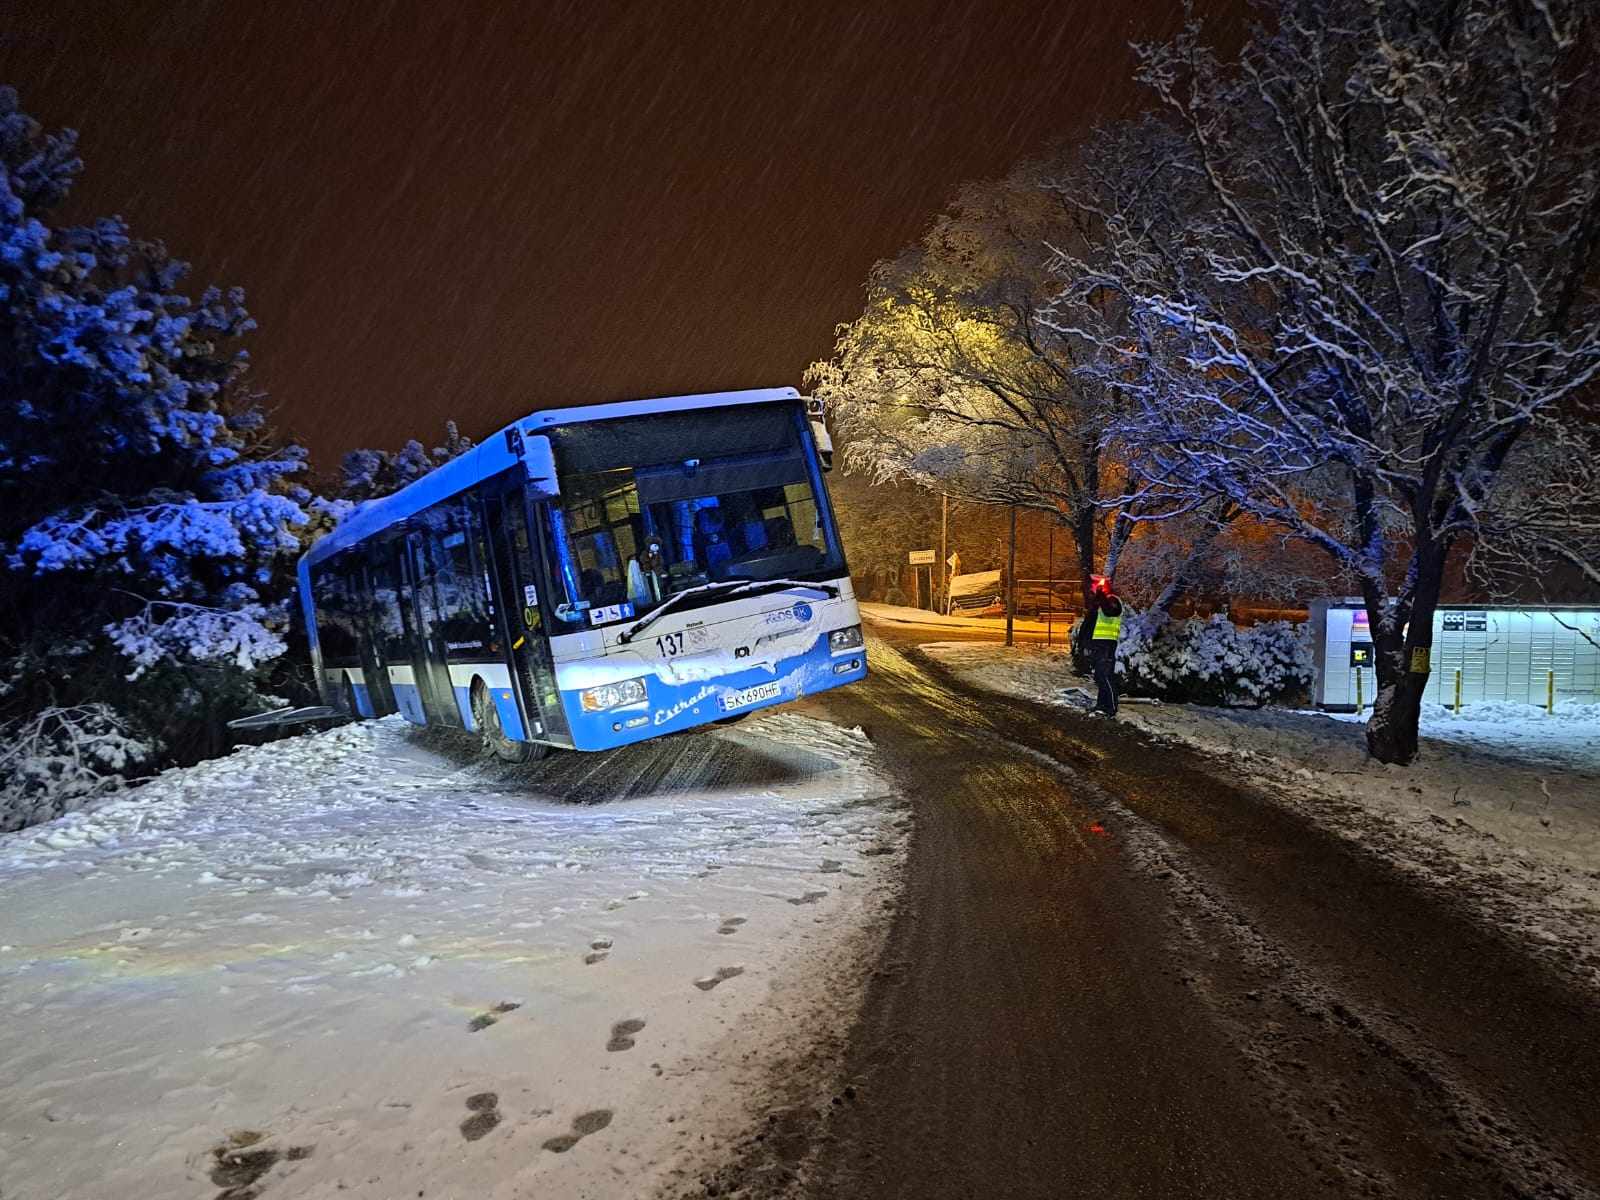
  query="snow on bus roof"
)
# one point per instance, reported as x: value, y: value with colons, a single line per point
x: 493, y: 455
x: 535, y: 422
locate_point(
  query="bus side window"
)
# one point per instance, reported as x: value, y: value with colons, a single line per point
x: 483, y: 566
x: 458, y: 581
x: 330, y: 592
x: 388, y: 623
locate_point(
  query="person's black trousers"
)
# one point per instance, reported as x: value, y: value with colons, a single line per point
x: 1103, y: 651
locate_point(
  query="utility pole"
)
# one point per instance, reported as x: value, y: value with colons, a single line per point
x: 1050, y: 585
x: 1050, y: 567
x: 944, y: 555
x: 1011, y: 577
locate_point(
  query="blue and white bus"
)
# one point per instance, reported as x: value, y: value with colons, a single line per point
x: 590, y: 577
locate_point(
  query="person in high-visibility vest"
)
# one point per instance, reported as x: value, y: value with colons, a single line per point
x: 1102, y: 625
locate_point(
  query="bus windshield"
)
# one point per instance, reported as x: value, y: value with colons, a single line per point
x: 652, y: 506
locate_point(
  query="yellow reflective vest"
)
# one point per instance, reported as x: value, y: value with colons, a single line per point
x: 1107, y: 627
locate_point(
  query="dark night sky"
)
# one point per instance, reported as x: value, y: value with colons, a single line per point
x: 476, y: 210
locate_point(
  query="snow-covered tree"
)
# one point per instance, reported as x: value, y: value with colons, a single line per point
x: 1200, y: 557
x: 146, y: 511
x: 368, y: 474
x: 1540, y: 534
x: 879, y: 524
x: 949, y: 380
x: 1376, y: 325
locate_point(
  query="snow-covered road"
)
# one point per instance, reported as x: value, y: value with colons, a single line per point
x: 1504, y: 795
x: 345, y: 964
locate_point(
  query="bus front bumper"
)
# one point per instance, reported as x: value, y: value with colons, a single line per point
x: 670, y: 708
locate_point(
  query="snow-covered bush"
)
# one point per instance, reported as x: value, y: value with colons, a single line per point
x: 61, y: 758
x: 246, y: 636
x: 1211, y: 661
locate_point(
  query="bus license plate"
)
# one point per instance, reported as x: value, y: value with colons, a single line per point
x: 754, y: 695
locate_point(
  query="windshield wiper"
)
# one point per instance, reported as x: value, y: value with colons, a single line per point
x: 649, y: 619
x: 827, y: 589
x: 733, y: 586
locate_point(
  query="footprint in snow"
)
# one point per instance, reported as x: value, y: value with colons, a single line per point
x: 723, y: 973
x: 228, y: 1051
x: 582, y: 1126
x: 622, y: 1034
x: 241, y: 1160
x: 808, y: 898
x: 485, y: 1110
x: 485, y: 1019
x: 731, y: 924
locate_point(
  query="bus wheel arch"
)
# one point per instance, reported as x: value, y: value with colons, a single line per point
x: 351, y: 700
x: 491, y: 733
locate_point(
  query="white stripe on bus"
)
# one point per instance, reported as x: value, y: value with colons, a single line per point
x: 495, y: 675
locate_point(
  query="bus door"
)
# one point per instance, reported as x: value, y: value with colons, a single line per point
x: 428, y: 652
x: 374, y: 653
x: 521, y: 610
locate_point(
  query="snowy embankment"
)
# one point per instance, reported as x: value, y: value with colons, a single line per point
x: 341, y: 963
x: 895, y: 614
x: 1503, y: 802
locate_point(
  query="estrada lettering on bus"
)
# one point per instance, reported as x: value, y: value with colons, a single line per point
x: 663, y: 715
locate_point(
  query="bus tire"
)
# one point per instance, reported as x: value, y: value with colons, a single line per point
x: 492, y: 735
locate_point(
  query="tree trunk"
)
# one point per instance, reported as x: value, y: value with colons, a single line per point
x: 1184, y: 575
x: 1011, y: 580
x: 1083, y: 533
x: 1121, y: 534
x: 1392, y: 729
x: 1404, y: 662
x: 1162, y: 604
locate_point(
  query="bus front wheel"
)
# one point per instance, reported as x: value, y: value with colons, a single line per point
x: 492, y: 735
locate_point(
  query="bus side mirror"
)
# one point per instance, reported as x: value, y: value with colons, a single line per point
x: 539, y: 461
x: 819, y: 434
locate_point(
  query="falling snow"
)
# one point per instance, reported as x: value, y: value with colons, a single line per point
x: 440, y: 218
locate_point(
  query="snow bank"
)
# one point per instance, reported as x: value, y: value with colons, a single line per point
x: 387, y: 973
x: 1567, y: 737
x: 62, y: 759
x: 1504, y: 795
x: 895, y: 614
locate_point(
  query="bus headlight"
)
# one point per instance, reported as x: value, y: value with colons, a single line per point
x: 848, y: 638
x: 612, y: 695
